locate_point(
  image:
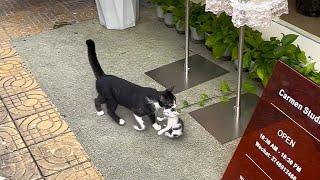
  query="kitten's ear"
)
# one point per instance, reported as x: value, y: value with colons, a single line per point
x: 170, y: 89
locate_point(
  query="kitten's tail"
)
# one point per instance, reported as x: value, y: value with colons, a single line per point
x: 95, y: 65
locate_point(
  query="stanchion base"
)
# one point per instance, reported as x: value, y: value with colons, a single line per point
x: 201, y: 70
x: 219, y: 119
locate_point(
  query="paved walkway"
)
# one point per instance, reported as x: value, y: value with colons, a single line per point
x: 35, y: 141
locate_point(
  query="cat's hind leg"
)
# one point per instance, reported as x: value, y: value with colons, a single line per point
x: 112, y: 107
x: 98, y: 102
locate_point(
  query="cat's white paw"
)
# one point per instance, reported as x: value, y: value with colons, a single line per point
x: 100, y: 113
x: 139, y: 129
x: 160, y: 133
x: 160, y: 118
x: 156, y: 126
x: 122, y: 122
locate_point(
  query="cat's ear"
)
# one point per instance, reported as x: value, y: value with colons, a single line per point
x: 170, y: 89
x: 162, y: 98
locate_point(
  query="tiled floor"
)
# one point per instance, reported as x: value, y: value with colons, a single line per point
x: 35, y: 141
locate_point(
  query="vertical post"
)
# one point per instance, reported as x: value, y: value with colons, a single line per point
x: 186, y: 64
x: 240, y: 52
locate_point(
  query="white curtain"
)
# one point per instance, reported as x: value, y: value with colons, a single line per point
x: 117, y: 14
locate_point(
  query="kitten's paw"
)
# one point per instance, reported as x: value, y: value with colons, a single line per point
x: 156, y: 126
x: 121, y: 122
x: 160, y: 133
x: 139, y: 129
x: 160, y: 118
x: 100, y: 113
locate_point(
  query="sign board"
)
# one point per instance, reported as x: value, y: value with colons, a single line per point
x: 282, y: 140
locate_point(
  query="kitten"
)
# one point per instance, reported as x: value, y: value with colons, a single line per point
x: 174, y: 127
x: 115, y: 91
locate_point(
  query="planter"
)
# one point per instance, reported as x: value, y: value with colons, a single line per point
x: 308, y: 7
x: 180, y: 27
x: 206, y: 35
x: 195, y: 36
x: 236, y: 64
x: 168, y: 20
x: 227, y: 55
x: 159, y: 13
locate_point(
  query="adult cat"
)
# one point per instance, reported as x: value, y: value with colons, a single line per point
x: 115, y: 91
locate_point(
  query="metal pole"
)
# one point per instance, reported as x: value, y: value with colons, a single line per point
x: 238, y: 102
x: 186, y: 64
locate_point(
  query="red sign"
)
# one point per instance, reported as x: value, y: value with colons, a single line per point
x: 282, y: 140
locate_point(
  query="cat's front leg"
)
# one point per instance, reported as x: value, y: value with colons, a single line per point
x: 155, y: 125
x: 164, y: 130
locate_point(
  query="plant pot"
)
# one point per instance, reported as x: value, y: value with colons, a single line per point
x: 168, y: 20
x: 206, y: 35
x: 308, y: 7
x: 227, y: 55
x: 195, y: 36
x: 159, y: 13
x: 236, y: 64
x: 180, y: 27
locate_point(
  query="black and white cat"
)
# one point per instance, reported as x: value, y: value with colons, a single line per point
x: 115, y: 91
x: 174, y: 126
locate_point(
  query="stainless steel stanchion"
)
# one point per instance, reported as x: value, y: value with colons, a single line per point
x: 238, y: 100
x: 186, y: 63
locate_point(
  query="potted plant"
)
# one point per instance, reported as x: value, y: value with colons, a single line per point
x: 159, y: 10
x: 224, y: 38
x: 168, y: 7
x: 179, y: 17
x: 196, y: 19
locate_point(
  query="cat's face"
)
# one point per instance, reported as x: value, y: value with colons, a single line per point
x: 167, y: 100
x: 172, y: 112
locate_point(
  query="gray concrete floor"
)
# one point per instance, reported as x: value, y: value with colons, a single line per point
x: 58, y: 60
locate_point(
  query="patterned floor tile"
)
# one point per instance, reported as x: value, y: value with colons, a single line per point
x: 10, y: 139
x: 4, y: 115
x: 30, y: 17
x: 27, y: 103
x: 18, y: 165
x: 58, y: 154
x: 41, y: 126
x: 84, y: 171
x: 19, y: 82
x: 6, y: 49
x: 10, y: 66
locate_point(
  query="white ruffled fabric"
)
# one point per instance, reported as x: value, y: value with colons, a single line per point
x: 253, y: 13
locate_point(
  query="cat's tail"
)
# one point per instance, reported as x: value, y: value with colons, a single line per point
x: 95, y: 65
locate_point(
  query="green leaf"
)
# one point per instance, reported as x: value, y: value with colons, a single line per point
x: 218, y: 50
x: 302, y: 57
x: 235, y: 53
x: 201, y: 103
x: 262, y: 74
x: 185, y: 104
x: 247, y: 60
x: 288, y: 39
x: 279, y: 51
x: 204, y: 97
x: 224, y: 98
x: 224, y: 88
x: 249, y: 87
x: 309, y: 68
